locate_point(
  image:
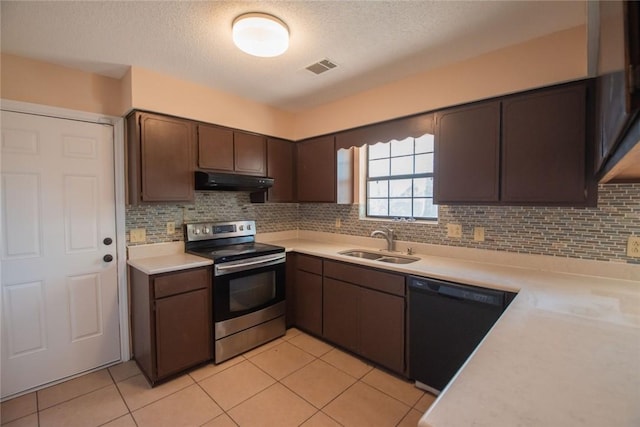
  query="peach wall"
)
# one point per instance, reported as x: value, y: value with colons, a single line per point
x: 158, y: 92
x: 547, y: 60
x: 558, y: 57
x: 39, y: 82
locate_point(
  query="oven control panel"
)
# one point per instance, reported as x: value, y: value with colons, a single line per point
x: 219, y: 230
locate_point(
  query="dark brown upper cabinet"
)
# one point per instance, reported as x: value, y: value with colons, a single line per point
x: 160, y: 159
x: 227, y: 150
x: 280, y: 168
x: 467, y: 154
x: 617, y: 147
x: 323, y: 174
x: 544, y: 146
x: 525, y: 149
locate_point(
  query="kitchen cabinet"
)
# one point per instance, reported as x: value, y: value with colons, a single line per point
x: 290, y: 284
x: 339, y: 313
x: 544, y: 136
x: 171, y: 321
x: 617, y: 154
x: 316, y: 174
x: 160, y: 161
x: 382, y: 326
x: 467, y: 154
x: 228, y: 150
x: 307, y: 297
x: 364, y: 311
x: 324, y: 174
x: 529, y: 148
x: 280, y: 168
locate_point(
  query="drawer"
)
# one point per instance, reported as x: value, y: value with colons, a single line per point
x: 183, y: 281
x: 309, y: 263
x: 366, y: 277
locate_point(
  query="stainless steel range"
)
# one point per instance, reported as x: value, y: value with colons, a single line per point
x: 248, y: 284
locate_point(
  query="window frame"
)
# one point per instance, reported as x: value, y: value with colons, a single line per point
x: 389, y: 178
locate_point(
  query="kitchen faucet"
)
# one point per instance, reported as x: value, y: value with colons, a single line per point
x: 388, y: 234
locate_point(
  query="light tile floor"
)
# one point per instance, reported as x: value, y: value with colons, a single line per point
x: 296, y: 380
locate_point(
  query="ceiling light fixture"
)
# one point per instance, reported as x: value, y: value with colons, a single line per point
x: 260, y: 34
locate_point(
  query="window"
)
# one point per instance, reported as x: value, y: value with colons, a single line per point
x: 400, y: 179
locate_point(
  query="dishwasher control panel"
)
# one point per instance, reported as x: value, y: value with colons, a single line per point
x: 462, y: 292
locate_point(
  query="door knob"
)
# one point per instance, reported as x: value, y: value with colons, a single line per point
x: 107, y: 258
x: 107, y: 241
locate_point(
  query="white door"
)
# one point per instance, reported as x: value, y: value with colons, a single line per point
x: 59, y: 296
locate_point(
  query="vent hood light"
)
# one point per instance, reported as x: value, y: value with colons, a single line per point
x: 259, y: 34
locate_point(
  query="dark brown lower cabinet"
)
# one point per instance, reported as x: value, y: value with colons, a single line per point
x: 171, y: 321
x: 307, y: 298
x: 182, y: 332
x: 340, y: 314
x: 364, y: 311
x: 290, y: 284
x: 382, y: 320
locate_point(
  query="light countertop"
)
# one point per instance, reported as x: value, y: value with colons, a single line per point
x: 163, y: 258
x: 566, y: 352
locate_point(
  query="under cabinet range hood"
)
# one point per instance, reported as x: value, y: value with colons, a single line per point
x: 214, y: 181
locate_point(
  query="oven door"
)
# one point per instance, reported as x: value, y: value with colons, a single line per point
x: 247, y: 286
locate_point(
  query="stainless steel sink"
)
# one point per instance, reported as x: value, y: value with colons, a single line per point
x: 398, y: 259
x: 378, y: 256
x: 361, y: 254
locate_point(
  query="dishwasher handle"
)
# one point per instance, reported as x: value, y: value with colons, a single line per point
x: 474, y: 294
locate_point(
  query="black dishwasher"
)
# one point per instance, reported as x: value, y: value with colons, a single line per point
x: 447, y: 321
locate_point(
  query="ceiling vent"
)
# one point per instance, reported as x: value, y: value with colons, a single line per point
x: 321, y: 66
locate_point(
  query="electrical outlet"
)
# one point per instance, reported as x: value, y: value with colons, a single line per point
x: 137, y: 235
x: 454, y: 230
x: 633, y: 247
x: 338, y: 223
x: 171, y: 227
x: 478, y: 234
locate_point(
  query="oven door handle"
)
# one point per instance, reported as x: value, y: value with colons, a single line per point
x: 250, y: 263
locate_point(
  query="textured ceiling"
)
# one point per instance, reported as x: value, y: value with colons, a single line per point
x: 373, y: 42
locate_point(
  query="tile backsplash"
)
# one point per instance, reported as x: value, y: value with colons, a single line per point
x: 598, y: 233
x: 210, y: 206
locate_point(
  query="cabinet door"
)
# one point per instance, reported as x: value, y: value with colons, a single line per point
x: 543, y: 146
x: 340, y: 313
x: 166, y: 159
x: 316, y: 173
x: 183, y: 331
x: 215, y: 148
x: 308, y: 302
x: 382, y: 326
x: 290, y: 290
x: 250, y: 154
x: 280, y: 168
x: 467, y: 154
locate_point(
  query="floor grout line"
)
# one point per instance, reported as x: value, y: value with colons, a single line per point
x: 225, y: 412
